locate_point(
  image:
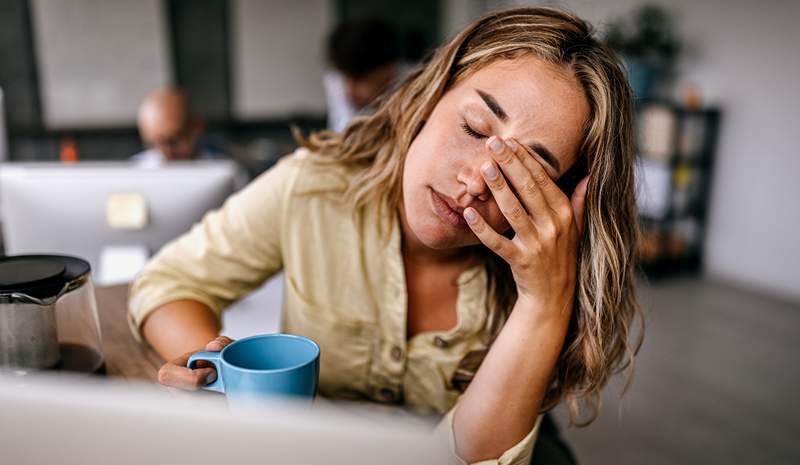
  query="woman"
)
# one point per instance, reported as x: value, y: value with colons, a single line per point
x: 449, y: 252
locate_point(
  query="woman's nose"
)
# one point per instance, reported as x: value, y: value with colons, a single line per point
x: 471, y: 177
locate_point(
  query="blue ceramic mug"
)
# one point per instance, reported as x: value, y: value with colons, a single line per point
x: 260, y: 367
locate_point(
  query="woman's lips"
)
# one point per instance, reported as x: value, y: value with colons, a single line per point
x: 446, y: 212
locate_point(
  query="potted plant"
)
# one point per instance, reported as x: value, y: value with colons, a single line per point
x: 649, y: 46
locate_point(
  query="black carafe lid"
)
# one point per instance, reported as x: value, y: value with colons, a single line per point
x: 39, y: 276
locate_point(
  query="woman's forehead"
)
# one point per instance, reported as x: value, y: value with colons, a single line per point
x: 527, y: 84
x: 539, y: 100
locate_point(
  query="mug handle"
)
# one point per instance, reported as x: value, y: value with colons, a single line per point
x: 214, y: 358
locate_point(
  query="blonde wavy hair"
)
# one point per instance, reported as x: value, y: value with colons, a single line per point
x: 601, y: 341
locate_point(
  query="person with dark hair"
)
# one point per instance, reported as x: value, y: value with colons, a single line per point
x: 364, y: 55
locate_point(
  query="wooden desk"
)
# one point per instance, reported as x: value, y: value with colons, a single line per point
x: 125, y: 357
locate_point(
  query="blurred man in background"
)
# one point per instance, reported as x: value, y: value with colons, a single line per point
x: 365, y: 59
x: 170, y: 129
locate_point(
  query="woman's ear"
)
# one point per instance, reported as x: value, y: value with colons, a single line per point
x: 578, y: 202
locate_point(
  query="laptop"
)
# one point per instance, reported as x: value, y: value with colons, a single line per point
x: 48, y: 419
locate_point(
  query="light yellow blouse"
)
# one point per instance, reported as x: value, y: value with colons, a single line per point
x: 344, y: 284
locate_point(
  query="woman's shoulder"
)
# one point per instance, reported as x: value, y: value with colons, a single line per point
x: 315, y: 173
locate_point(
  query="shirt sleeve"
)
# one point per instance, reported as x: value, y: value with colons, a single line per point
x: 229, y: 253
x: 519, y: 454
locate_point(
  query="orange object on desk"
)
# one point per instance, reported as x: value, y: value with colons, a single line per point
x: 69, y: 150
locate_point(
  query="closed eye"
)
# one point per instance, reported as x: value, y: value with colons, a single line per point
x: 471, y: 132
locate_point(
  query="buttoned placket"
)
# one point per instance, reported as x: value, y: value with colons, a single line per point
x: 391, y: 347
x: 388, y: 364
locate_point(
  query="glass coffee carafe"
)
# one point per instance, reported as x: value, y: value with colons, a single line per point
x: 48, y: 315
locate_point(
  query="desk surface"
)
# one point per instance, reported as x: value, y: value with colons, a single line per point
x: 124, y: 356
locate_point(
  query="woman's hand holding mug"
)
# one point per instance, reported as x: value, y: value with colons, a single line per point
x: 176, y: 374
x: 253, y: 369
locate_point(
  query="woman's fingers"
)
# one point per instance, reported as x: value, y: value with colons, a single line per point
x: 507, y: 200
x: 176, y: 374
x: 553, y: 195
x: 519, y: 175
x: 488, y: 236
x: 558, y: 205
x: 218, y: 344
x: 511, y: 207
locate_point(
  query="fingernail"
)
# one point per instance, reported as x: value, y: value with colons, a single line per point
x: 496, y: 144
x: 470, y: 216
x: 511, y: 144
x: 489, y: 170
x: 211, y: 377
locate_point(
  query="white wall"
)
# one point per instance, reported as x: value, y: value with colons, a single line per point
x: 457, y: 14
x: 278, y: 56
x: 98, y: 59
x: 745, y: 60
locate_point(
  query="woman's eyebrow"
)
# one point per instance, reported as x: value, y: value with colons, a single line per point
x: 498, y: 111
x: 493, y: 105
x: 546, y: 155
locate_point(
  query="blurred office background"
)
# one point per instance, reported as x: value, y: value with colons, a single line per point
x: 717, y: 123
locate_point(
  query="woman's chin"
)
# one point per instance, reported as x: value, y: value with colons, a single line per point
x: 440, y: 238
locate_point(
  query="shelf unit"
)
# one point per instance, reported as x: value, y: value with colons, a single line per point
x: 675, y: 156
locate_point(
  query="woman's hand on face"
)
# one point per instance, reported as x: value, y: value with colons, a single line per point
x: 176, y: 374
x: 547, y: 225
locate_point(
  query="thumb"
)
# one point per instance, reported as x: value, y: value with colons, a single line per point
x: 578, y: 202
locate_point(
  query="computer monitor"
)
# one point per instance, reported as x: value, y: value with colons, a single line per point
x: 90, y: 421
x: 113, y: 214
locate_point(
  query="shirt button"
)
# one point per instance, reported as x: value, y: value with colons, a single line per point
x: 439, y: 342
x: 396, y: 353
x: 386, y: 394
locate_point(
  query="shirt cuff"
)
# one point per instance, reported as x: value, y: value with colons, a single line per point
x: 519, y: 454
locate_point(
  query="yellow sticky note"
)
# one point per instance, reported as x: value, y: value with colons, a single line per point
x: 126, y: 210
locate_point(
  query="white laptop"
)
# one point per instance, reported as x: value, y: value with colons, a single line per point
x: 60, y: 420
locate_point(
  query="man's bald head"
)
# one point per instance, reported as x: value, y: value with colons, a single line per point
x: 166, y: 123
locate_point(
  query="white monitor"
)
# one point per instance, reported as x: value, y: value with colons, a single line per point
x: 113, y: 214
x: 49, y: 420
